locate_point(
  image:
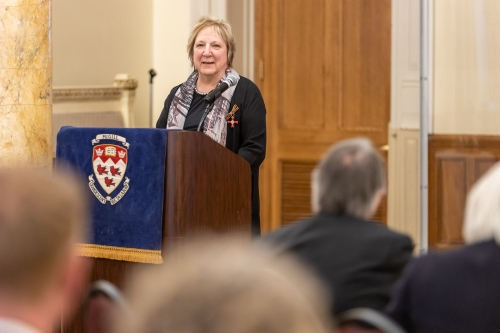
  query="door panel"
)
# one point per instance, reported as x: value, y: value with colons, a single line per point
x: 365, y: 50
x: 301, y: 65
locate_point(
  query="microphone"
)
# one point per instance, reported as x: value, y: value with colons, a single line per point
x: 223, y: 86
x: 152, y: 74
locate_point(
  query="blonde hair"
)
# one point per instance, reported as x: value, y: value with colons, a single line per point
x: 482, y: 209
x: 40, y: 216
x: 226, y: 286
x: 222, y: 28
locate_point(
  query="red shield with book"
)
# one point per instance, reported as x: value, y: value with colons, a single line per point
x: 109, y: 163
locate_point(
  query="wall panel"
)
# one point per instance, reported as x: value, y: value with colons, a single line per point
x: 456, y: 162
x: 452, y: 189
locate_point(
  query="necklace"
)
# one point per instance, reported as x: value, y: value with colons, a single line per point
x: 200, y: 93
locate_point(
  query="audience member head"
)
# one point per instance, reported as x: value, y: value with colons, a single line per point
x: 482, y: 210
x: 41, y: 217
x: 349, y: 180
x: 226, y: 287
x: 222, y: 28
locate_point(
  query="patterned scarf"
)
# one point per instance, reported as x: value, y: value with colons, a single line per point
x: 215, y: 125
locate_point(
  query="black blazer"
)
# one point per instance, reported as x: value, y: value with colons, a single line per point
x: 247, y: 138
x: 358, y: 260
x: 454, y: 291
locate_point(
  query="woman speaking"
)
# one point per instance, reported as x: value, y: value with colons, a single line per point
x: 237, y: 119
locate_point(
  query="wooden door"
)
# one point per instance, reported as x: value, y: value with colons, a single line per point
x: 323, y: 67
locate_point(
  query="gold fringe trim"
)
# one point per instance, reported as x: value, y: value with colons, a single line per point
x: 119, y: 253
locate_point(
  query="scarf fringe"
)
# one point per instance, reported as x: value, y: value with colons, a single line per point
x: 119, y: 253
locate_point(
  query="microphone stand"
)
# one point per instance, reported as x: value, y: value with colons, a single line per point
x: 152, y: 74
x: 207, y: 110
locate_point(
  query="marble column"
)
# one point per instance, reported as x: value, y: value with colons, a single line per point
x: 25, y: 84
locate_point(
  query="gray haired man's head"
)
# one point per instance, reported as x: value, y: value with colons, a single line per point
x: 349, y: 180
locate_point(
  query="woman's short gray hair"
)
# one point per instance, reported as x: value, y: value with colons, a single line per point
x: 347, y: 179
x: 482, y: 210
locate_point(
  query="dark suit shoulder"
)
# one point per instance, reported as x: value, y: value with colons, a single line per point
x: 344, y: 228
x: 386, y: 233
x: 364, y: 229
x: 470, y: 258
x: 287, y: 232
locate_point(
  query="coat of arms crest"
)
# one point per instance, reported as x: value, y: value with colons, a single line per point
x: 109, y: 163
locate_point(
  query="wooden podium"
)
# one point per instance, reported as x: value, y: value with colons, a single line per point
x: 208, y: 188
x: 207, y: 191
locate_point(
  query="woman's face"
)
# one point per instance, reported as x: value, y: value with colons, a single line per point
x: 210, y: 54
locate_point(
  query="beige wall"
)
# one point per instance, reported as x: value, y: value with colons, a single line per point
x: 466, y: 67
x: 240, y: 14
x: 171, y: 27
x: 95, y: 40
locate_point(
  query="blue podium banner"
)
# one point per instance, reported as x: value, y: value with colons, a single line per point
x: 125, y: 172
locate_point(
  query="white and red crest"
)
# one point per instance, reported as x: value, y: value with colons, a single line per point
x: 109, y: 163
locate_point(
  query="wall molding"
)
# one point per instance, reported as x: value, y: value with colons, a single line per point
x: 86, y: 94
x: 122, y: 82
x: 98, y: 99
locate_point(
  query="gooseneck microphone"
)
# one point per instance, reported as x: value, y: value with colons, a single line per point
x: 210, y: 98
x: 223, y: 86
